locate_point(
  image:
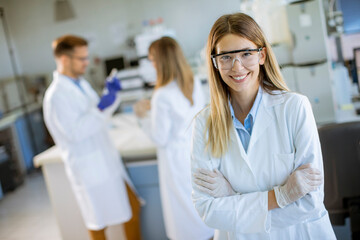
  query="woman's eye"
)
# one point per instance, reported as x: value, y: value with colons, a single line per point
x: 225, y: 58
x: 246, y: 54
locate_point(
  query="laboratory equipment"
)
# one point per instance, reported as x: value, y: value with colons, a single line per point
x: 314, y: 82
x: 142, y: 43
x: 112, y: 82
x: 311, y: 73
x: 12, y: 169
x: 116, y: 62
x: 288, y: 73
x: 308, y: 29
x: 7, y: 180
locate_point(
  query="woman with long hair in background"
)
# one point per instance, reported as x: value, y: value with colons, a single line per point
x: 176, y: 100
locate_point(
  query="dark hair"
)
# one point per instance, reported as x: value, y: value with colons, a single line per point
x: 66, y: 44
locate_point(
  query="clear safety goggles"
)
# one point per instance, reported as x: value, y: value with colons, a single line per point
x: 226, y: 60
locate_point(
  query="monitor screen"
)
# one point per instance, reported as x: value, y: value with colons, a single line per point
x: 117, y: 63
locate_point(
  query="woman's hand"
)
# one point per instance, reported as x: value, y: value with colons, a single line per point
x: 142, y: 107
x: 302, y: 181
x: 213, y: 183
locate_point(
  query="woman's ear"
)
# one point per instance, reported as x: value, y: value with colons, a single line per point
x: 262, y: 56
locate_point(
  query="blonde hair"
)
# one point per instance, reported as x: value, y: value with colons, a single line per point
x: 270, y: 78
x: 170, y: 64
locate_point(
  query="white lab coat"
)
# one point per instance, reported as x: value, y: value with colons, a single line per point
x: 284, y: 137
x: 92, y: 163
x: 170, y: 128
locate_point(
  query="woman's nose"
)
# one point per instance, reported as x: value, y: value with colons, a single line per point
x: 238, y: 65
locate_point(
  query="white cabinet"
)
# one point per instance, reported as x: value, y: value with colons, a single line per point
x: 314, y: 82
x: 308, y: 29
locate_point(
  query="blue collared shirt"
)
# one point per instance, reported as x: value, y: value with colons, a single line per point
x: 76, y: 82
x: 244, y: 131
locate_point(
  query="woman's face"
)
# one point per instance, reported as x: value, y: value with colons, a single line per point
x: 238, y: 77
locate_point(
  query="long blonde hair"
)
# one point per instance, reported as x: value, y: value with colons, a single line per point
x: 270, y: 78
x: 170, y: 64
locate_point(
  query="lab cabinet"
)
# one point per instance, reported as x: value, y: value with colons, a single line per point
x: 315, y: 82
x: 39, y: 130
x: 31, y: 134
x: 288, y: 73
x: 145, y: 178
x: 11, y: 167
x: 28, y: 134
x: 308, y: 29
x: 7, y: 173
x: 26, y: 149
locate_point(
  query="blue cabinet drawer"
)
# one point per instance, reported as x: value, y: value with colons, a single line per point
x: 144, y: 173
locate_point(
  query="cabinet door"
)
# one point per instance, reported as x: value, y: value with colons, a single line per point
x: 307, y: 25
x: 315, y: 83
x: 146, y: 180
x: 290, y: 79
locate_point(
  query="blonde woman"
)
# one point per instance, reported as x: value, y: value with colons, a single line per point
x: 175, y: 102
x: 256, y: 156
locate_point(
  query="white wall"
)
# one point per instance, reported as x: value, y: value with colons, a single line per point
x: 107, y: 23
x: 5, y: 64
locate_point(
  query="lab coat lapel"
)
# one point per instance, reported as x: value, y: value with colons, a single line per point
x: 264, y: 116
x: 238, y: 150
x: 72, y: 88
x: 236, y: 140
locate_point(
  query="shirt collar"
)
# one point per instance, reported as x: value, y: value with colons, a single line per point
x: 73, y: 80
x: 254, y: 108
x: 65, y: 76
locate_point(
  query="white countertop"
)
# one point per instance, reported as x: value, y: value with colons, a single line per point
x: 128, y: 137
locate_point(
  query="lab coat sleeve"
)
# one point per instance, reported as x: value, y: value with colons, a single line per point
x: 74, y: 125
x: 158, y: 125
x: 245, y: 213
x: 307, y: 150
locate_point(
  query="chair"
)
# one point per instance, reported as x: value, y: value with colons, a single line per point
x: 340, y: 144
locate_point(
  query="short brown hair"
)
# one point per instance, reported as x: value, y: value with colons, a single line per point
x: 66, y: 44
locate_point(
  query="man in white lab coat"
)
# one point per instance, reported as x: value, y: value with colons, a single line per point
x: 77, y: 120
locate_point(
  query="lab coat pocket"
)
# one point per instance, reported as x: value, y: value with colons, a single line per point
x: 319, y: 229
x: 90, y: 169
x: 283, y: 165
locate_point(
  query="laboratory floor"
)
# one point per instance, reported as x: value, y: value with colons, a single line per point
x: 26, y: 212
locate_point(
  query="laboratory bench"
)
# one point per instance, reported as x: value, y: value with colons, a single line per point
x: 22, y: 135
x: 139, y: 156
